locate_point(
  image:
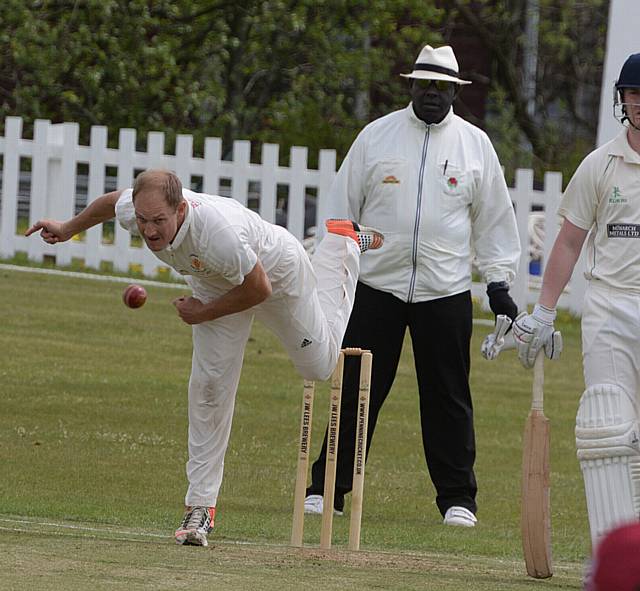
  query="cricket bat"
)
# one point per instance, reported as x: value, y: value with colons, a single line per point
x: 536, y: 506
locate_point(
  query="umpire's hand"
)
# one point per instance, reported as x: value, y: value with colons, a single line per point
x: 500, y: 301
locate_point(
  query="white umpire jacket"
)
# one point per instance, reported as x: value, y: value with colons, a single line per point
x: 438, y: 194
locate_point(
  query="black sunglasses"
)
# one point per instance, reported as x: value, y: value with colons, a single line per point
x: 441, y: 85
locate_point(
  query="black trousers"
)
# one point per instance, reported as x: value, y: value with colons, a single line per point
x: 441, y: 334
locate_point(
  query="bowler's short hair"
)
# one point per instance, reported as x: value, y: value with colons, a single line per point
x: 162, y: 181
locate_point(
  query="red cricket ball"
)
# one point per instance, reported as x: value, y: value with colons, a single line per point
x: 134, y: 296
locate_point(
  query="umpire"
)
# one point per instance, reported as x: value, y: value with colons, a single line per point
x: 432, y: 183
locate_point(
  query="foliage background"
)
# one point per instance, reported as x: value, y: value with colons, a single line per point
x: 295, y: 72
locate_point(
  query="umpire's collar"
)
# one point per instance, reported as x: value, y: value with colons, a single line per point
x: 415, y: 120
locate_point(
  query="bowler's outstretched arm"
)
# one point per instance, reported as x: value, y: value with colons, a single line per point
x: 100, y: 210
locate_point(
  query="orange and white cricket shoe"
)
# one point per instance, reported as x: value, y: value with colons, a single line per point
x: 196, y: 524
x: 367, y: 238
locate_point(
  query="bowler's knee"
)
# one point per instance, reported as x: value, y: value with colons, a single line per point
x: 320, y: 370
x: 316, y: 374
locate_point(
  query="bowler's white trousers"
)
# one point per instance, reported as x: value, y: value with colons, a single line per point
x: 308, y: 310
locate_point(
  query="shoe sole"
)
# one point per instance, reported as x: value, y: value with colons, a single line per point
x: 460, y: 523
x: 366, y: 237
x: 377, y: 237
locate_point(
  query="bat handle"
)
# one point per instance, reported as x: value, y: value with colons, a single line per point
x: 537, y: 399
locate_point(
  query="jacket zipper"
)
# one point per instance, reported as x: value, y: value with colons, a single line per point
x: 416, y: 229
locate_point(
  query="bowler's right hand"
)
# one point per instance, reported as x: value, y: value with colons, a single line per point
x: 51, y: 231
x: 532, y: 332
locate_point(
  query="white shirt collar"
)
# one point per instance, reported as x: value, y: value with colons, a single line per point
x: 184, y: 228
x: 620, y: 147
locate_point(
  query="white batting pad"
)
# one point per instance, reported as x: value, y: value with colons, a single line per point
x: 608, y: 445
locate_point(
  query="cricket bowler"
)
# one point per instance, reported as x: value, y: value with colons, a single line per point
x: 238, y: 267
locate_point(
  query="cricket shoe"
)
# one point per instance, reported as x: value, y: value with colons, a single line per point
x: 367, y: 238
x: 314, y: 505
x: 197, y: 522
x: 460, y: 516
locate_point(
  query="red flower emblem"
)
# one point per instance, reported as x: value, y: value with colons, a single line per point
x: 452, y: 182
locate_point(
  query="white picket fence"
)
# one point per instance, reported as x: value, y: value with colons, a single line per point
x: 54, y: 168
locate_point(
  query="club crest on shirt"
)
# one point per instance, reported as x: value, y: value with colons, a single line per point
x: 390, y: 180
x: 452, y: 182
x: 197, y: 266
x: 616, y: 196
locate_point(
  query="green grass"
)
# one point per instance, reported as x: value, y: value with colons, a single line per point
x: 93, y: 431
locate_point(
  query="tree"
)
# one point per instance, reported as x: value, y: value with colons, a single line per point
x: 305, y: 72
x: 287, y: 71
x: 570, y: 56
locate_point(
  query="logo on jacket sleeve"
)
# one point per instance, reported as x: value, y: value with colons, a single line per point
x: 390, y: 180
x: 305, y: 343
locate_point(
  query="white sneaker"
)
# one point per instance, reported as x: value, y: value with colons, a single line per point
x: 460, y: 516
x: 314, y: 505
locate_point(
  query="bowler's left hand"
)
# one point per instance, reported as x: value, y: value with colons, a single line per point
x: 191, y: 310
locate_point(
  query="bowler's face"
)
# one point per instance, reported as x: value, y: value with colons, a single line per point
x: 158, y: 223
x: 432, y: 99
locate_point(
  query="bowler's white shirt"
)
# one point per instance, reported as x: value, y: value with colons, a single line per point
x: 219, y: 241
x: 604, y: 196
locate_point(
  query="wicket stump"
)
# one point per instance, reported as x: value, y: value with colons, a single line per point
x: 333, y: 433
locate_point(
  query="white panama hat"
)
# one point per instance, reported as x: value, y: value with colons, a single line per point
x: 437, y: 64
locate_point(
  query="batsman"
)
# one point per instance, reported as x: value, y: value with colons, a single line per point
x: 602, y: 205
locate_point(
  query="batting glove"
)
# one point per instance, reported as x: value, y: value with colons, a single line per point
x: 495, y: 342
x: 534, y: 331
